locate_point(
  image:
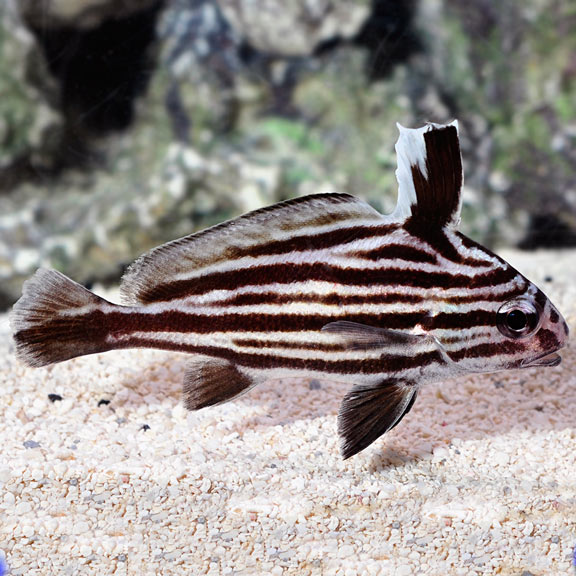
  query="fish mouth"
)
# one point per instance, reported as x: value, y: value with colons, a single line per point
x: 546, y: 359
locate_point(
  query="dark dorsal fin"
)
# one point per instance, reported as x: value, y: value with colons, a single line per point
x: 430, y: 175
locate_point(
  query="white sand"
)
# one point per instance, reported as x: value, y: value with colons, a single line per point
x: 480, y: 478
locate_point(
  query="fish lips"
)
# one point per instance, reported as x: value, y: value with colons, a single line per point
x: 545, y: 359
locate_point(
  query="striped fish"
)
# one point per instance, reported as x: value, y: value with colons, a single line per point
x: 322, y: 286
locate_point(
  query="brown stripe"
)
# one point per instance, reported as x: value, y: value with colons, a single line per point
x: 287, y: 345
x: 334, y: 299
x: 462, y: 320
x: 286, y: 273
x: 501, y: 348
x: 121, y: 324
x: 437, y: 240
x: 396, y: 251
x: 317, y: 241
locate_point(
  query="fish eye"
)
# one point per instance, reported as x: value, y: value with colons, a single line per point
x: 518, y: 318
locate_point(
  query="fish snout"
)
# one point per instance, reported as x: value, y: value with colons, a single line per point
x: 562, y: 332
x: 559, y: 340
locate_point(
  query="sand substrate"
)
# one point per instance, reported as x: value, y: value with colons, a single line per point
x: 117, y: 478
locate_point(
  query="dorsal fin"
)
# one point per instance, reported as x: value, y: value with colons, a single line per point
x: 429, y: 174
x: 235, y: 238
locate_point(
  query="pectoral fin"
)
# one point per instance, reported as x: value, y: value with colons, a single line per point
x: 212, y: 382
x: 358, y: 336
x: 363, y: 337
x: 367, y: 412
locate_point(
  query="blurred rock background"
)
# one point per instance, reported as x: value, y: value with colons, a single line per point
x: 127, y: 124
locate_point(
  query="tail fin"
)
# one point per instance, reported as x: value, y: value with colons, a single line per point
x: 56, y: 319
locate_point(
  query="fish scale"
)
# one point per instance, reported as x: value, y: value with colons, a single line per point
x: 322, y: 286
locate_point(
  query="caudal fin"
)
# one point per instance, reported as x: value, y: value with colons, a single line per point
x: 56, y: 319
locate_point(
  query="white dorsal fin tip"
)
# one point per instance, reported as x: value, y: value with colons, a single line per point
x: 411, y: 151
x: 433, y: 126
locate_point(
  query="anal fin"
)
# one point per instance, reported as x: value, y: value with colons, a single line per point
x: 212, y: 382
x: 367, y: 412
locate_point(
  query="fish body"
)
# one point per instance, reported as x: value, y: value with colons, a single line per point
x: 322, y: 286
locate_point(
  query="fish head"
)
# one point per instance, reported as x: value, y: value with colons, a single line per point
x: 532, y: 324
x: 479, y: 330
x: 523, y: 331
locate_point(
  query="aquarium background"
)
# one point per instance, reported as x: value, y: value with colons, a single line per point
x: 125, y: 125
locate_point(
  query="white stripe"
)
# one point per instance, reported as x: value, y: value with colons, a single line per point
x: 159, y: 338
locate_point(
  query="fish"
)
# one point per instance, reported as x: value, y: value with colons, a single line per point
x: 322, y: 286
